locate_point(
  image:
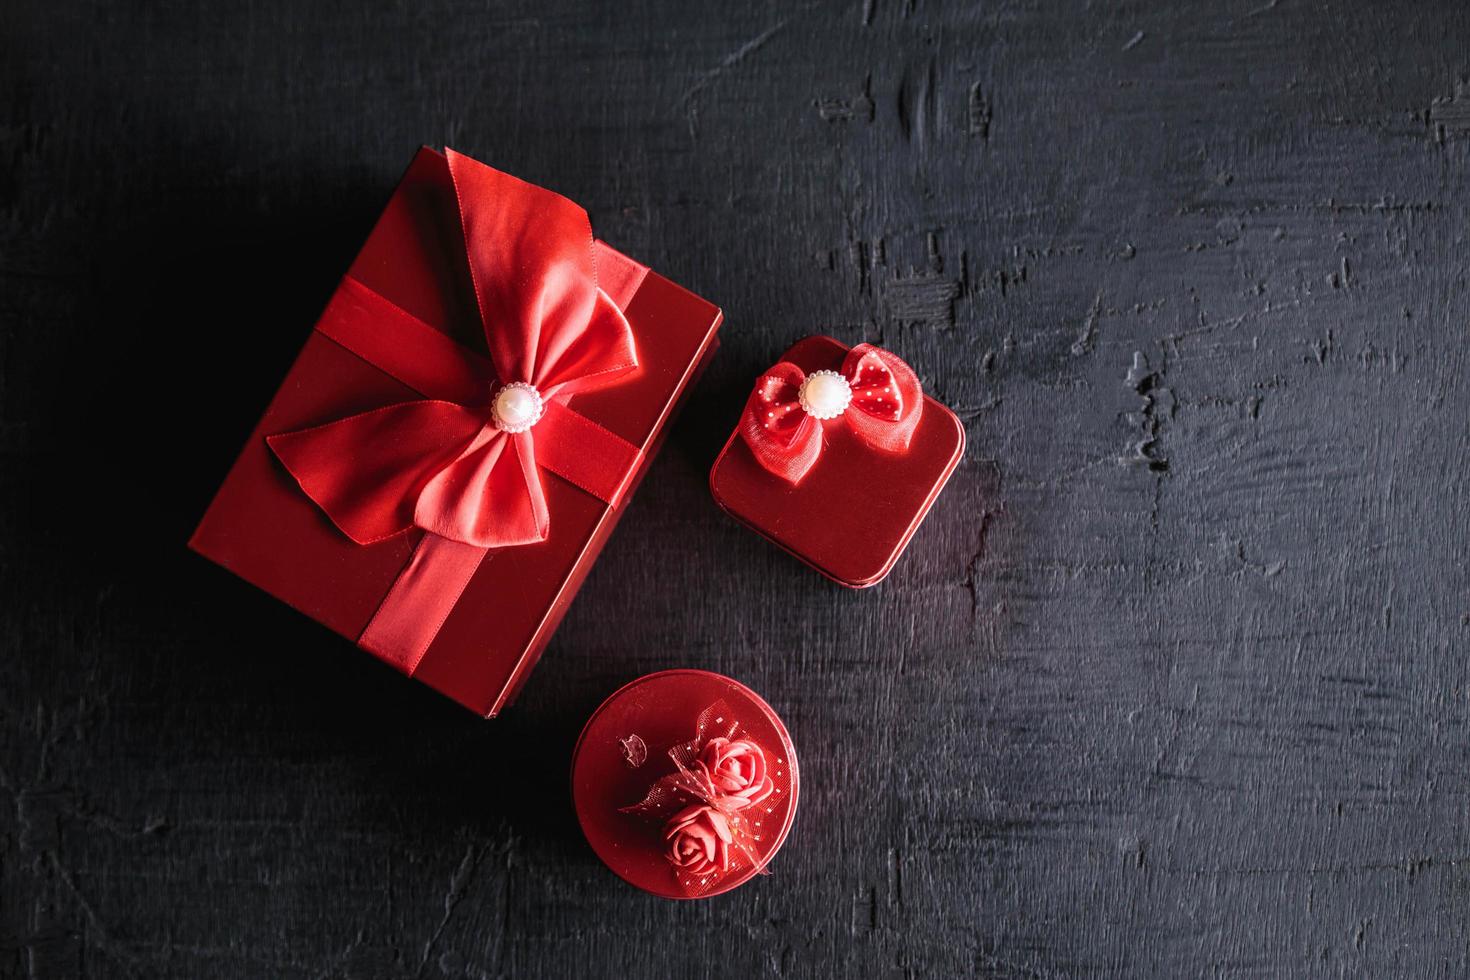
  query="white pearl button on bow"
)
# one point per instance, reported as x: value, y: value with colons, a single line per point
x: 825, y: 394
x: 517, y: 407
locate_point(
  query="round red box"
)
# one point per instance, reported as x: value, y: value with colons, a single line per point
x: 663, y: 709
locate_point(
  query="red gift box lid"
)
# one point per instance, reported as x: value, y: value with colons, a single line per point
x: 662, y: 711
x: 854, y: 512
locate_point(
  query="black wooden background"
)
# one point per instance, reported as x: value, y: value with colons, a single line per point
x: 1172, y: 683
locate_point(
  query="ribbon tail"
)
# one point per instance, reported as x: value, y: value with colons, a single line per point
x: 393, y: 451
x: 582, y: 452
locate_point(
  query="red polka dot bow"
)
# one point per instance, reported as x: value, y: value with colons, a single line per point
x: 875, y: 395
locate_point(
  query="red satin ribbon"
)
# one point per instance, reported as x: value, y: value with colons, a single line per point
x: 887, y: 402
x: 442, y: 464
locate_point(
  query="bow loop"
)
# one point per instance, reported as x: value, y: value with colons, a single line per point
x: 876, y: 395
x: 396, y: 449
x: 594, y: 358
x: 785, y: 439
x: 461, y: 472
x: 887, y: 397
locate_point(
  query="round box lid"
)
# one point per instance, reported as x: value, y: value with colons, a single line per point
x: 623, y: 759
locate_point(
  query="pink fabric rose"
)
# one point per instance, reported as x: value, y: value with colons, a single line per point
x: 699, y: 840
x: 736, y: 770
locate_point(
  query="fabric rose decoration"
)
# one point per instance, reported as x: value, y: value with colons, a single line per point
x: 737, y: 771
x: 710, y: 806
x: 699, y: 840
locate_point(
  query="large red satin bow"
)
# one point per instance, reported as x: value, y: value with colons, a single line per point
x: 449, y: 468
x: 886, y: 403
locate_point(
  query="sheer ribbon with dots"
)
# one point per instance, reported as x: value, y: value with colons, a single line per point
x: 887, y: 402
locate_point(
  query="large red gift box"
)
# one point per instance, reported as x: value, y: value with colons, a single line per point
x: 466, y: 619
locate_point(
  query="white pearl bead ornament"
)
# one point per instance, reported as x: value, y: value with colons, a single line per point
x: 824, y: 394
x: 517, y: 407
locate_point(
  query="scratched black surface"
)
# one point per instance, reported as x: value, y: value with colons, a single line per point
x: 1172, y: 683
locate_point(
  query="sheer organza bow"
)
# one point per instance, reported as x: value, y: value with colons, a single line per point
x: 876, y: 395
x: 458, y: 470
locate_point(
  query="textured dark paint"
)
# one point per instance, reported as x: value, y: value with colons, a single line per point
x: 1172, y: 683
